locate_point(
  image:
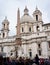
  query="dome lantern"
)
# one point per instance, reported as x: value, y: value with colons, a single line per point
x: 26, y: 17
x: 25, y: 11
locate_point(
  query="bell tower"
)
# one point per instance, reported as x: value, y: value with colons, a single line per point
x: 37, y: 15
x: 5, y: 28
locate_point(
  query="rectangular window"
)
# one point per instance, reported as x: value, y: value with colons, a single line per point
x: 30, y: 54
x: 4, y: 25
x: 39, y: 52
x: 36, y: 17
x: 2, y: 48
x: 49, y: 44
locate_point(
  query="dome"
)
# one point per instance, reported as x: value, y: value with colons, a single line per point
x: 26, y: 17
x: 5, y: 21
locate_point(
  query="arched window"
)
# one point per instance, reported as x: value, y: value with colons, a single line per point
x: 22, y: 29
x: 38, y: 45
x: 29, y: 29
x: 38, y: 28
x: 3, y: 35
x: 36, y: 17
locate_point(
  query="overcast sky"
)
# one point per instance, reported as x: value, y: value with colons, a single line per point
x: 9, y: 8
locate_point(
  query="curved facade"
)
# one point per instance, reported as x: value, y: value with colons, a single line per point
x: 32, y: 36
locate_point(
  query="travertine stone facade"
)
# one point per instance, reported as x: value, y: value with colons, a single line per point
x: 32, y: 36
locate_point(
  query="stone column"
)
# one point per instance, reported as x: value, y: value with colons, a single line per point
x: 34, y: 49
x: 44, y: 46
x: 26, y: 28
x: 34, y: 28
x: 40, y: 25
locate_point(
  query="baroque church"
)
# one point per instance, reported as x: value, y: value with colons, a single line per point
x: 32, y: 36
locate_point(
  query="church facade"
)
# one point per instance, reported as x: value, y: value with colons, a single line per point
x: 32, y: 36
